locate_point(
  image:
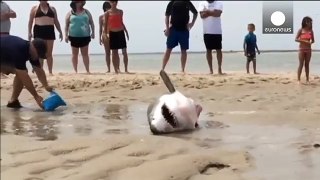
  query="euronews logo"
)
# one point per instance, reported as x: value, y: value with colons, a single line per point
x: 277, y: 17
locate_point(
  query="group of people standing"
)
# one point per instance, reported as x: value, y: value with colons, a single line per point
x: 113, y: 34
x: 79, y: 30
x: 178, y: 26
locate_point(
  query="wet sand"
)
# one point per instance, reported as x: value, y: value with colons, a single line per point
x: 253, y: 127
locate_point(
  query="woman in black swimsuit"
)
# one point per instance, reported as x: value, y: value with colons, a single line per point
x: 42, y: 21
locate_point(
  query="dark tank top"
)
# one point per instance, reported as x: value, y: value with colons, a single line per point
x: 40, y: 14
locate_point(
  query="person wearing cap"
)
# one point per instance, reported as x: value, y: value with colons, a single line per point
x: 15, y: 52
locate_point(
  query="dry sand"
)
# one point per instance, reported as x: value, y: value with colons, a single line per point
x: 253, y: 127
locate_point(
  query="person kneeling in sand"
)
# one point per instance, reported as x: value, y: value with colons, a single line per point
x: 15, y: 52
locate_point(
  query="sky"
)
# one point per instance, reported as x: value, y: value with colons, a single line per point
x: 145, y: 23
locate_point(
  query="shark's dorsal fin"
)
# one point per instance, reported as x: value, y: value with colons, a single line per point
x: 167, y: 81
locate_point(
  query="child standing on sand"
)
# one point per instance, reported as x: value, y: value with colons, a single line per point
x: 116, y: 30
x: 250, y: 46
x: 305, y: 37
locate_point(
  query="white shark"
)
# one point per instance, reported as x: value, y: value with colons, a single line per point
x: 172, y: 112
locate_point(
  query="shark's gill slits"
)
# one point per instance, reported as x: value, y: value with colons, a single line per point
x: 168, y: 116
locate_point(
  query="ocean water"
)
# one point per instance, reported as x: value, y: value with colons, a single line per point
x: 269, y: 62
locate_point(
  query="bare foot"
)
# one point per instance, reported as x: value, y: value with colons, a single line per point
x: 256, y: 73
x: 299, y: 82
x: 50, y: 74
x: 308, y: 83
x: 108, y: 71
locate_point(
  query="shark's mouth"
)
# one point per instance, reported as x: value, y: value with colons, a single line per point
x: 169, y: 116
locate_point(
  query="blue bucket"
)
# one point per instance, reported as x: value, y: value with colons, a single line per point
x: 52, y: 102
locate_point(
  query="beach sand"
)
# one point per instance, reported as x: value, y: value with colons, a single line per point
x: 253, y: 127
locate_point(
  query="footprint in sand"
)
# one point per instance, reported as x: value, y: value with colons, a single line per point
x: 211, y: 83
x: 250, y: 82
x: 285, y: 82
x: 215, y: 124
x: 264, y: 80
x: 210, y: 114
x: 139, y: 153
x: 136, y: 87
x: 211, y: 167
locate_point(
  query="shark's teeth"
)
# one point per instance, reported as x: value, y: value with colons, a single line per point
x: 168, y: 116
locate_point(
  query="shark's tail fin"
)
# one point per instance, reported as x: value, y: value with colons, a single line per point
x: 167, y: 81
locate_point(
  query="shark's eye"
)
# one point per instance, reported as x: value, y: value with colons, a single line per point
x: 168, y: 116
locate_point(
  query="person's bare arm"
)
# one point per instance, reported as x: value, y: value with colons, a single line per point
x: 245, y: 47
x: 257, y: 48
x: 67, y: 24
x: 100, y: 28
x: 167, y: 22
x: 12, y: 14
x: 167, y: 17
x: 91, y: 25
x: 312, y: 37
x: 106, y: 21
x: 26, y: 81
x: 204, y: 14
x: 57, y: 23
x: 124, y: 27
x: 31, y: 19
x: 126, y: 31
x: 298, y: 37
x: 202, y: 11
x: 215, y: 13
x: 7, y: 15
x: 194, y: 13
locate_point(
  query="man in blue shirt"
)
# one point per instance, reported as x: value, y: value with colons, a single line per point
x: 250, y: 46
x: 15, y: 52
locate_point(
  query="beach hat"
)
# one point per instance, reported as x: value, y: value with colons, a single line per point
x: 53, y: 101
x: 41, y: 47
